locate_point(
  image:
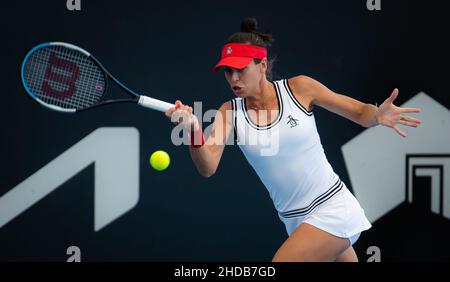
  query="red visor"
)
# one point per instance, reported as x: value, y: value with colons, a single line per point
x: 239, y: 55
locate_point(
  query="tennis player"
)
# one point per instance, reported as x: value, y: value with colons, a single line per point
x: 322, y: 218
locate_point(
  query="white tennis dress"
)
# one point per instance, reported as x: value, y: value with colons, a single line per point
x: 289, y: 159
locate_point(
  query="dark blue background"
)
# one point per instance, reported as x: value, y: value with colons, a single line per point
x: 166, y: 50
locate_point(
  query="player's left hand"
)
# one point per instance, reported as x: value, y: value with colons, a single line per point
x: 390, y: 115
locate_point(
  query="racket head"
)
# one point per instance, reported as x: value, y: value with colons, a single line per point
x: 63, y: 77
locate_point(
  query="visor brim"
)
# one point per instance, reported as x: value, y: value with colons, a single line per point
x: 233, y: 62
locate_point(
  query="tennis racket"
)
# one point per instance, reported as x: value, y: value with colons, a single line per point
x: 66, y: 78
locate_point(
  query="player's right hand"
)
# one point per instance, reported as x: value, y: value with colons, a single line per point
x: 182, y: 114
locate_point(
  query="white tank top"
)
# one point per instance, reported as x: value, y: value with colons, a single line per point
x: 287, y: 154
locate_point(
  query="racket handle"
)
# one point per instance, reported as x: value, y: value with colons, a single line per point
x: 154, y: 104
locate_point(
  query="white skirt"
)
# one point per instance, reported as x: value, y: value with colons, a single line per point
x: 341, y: 215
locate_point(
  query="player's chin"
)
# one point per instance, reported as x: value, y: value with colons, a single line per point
x: 239, y: 92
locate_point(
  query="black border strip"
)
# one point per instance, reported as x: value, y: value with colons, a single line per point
x: 234, y: 107
x: 317, y: 201
x: 318, y: 204
x: 280, y: 111
x: 299, y: 105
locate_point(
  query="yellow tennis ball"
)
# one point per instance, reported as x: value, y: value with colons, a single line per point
x: 159, y: 160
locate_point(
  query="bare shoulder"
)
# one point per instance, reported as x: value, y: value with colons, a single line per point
x: 302, y: 87
x: 303, y: 84
x: 226, y: 106
x: 226, y: 110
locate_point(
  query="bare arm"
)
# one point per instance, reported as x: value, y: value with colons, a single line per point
x: 207, y: 157
x: 366, y: 115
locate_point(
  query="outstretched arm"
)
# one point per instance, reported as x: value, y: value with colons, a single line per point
x: 367, y: 115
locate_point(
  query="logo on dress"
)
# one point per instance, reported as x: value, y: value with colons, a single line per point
x: 292, y: 121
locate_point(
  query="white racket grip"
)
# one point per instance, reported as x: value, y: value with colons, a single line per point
x: 154, y: 104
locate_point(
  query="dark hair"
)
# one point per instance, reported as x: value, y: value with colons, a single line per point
x: 250, y: 35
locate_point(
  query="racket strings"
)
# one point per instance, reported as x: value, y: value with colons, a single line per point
x: 64, y: 77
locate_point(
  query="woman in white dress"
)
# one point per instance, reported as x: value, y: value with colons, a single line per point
x: 323, y: 219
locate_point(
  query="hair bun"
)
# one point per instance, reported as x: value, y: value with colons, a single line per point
x: 249, y: 25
